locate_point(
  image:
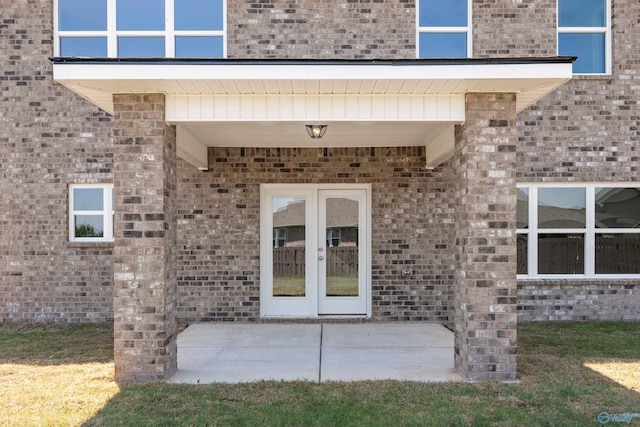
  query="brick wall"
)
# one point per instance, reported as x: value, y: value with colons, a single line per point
x: 574, y: 300
x: 587, y: 131
x: 145, y: 287
x: 485, y: 239
x: 49, y: 138
x: 321, y: 29
x: 219, y: 215
x: 507, y: 28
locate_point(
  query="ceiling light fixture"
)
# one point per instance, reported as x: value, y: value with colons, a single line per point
x: 316, y: 131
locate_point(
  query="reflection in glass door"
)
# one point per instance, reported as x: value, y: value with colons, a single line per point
x: 341, y: 266
x: 314, y: 250
x: 289, y: 246
x: 341, y: 282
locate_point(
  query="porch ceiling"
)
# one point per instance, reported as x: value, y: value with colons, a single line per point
x: 267, y: 103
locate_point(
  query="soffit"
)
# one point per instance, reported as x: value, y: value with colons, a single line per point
x: 98, y: 80
x: 267, y: 103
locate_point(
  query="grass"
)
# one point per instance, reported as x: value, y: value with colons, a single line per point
x: 569, y: 373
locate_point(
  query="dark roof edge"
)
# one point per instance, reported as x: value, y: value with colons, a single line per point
x: 388, y: 62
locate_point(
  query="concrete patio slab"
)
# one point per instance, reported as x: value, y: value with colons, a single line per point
x: 233, y: 353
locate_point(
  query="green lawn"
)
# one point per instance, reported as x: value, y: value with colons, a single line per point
x: 569, y: 373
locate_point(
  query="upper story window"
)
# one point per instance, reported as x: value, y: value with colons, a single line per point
x: 91, y: 213
x: 580, y: 231
x: 444, y: 29
x: 140, y: 28
x: 584, y: 30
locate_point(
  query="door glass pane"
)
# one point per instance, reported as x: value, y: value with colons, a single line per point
x: 341, y: 261
x: 289, y: 241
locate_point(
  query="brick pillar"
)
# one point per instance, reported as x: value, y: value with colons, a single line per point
x: 485, y: 280
x: 145, y: 287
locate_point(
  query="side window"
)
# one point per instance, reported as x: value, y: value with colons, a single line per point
x: 91, y: 213
x: 444, y: 29
x: 584, y: 30
x: 140, y: 28
x: 581, y: 231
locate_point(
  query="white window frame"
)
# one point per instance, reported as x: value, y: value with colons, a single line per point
x: 467, y: 29
x: 107, y: 213
x: 112, y: 34
x: 606, y: 30
x: 589, y: 231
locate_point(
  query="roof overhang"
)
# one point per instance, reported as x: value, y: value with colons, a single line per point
x: 267, y: 102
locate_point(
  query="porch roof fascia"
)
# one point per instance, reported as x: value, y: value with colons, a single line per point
x: 97, y: 79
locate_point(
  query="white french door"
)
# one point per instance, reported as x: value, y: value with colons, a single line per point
x: 315, y: 249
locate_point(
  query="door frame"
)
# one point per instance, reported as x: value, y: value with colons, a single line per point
x: 307, y: 306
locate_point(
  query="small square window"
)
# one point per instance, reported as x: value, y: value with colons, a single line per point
x: 91, y: 212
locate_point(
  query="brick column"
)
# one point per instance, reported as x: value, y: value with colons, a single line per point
x: 145, y: 287
x: 485, y: 280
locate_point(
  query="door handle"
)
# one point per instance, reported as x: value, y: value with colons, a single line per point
x: 320, y: 257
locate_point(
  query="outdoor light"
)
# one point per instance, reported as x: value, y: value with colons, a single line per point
x: 316, y: 131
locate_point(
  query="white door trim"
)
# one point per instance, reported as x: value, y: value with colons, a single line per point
x: 307, y: 306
